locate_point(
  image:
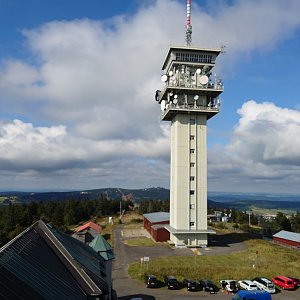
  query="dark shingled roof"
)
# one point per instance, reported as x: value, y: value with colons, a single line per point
x: 43, y: 263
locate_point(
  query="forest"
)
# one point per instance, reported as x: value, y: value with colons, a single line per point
x: 15, y: 218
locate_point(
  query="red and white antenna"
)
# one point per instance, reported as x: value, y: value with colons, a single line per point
x: 188, y: 30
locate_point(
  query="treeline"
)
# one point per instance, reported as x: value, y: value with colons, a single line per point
x: 151, y: 206
x: 15, y: 218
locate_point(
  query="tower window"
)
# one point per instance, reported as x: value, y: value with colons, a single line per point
x: 192, y: 192
x: 192, y: 151
x: 192, y: 223
x: 192, y: 137
x: 192, y: 206
x: 192, y: 165
x: 192, y: 178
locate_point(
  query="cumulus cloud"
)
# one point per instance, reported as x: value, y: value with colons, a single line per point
x: 84, y: 98
x: 264, y: 149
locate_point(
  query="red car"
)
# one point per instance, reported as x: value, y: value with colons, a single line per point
x: 284, y: 282
x: 296, y: 281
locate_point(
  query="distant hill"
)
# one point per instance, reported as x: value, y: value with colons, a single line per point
x: 219, y: 200
x: 136, y: 195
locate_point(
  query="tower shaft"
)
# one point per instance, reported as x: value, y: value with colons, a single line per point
x: 188, y: 100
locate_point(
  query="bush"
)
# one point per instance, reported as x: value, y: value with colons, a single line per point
x: 220, y: 225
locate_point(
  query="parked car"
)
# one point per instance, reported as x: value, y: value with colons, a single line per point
x: 247, y: 285
x: 191, y: 285
x: 252, y: 295
x: 207, y: 286
x: 295, y: 280
x: 229, y: 285
x: 284, y: 282
x: 265, y: 284
x: 171, y: 282
x: 151, y: 281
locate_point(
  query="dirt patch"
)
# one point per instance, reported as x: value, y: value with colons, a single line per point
x: 134, y: 233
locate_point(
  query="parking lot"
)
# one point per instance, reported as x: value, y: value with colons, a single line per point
x: 127, y: 288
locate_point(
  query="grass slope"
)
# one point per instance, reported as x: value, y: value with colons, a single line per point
x: 269, y: 260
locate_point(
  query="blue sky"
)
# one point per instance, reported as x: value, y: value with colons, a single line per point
x: 77, y: 80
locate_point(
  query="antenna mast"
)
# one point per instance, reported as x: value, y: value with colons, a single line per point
x: 188, y: 31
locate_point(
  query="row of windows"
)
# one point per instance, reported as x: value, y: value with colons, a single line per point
x: 193, y: 57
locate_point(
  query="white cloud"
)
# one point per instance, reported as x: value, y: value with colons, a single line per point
x: 264, y: 149
x: 89, y: 86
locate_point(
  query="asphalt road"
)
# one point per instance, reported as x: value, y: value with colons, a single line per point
x: 127, y: 288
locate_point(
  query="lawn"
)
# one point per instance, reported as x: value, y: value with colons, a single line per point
x: 260, y: 259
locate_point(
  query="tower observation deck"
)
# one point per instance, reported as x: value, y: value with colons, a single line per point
x: 189, y: 98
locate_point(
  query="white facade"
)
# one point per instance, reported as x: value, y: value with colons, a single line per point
x: 188, y: 101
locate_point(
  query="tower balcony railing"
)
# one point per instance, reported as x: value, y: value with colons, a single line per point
x: 210, y: 89
x: 172, y: 109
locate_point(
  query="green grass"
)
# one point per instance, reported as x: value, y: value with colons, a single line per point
x: 269, y: 261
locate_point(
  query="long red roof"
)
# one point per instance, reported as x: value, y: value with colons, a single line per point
x: 89, y: 225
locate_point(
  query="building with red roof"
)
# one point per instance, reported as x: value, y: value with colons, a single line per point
x: 87, y: 232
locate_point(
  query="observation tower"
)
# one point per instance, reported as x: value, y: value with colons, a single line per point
x: 189, y: 98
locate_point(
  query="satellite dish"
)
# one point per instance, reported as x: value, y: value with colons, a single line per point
x: 198, y: 71
x: 203, y: 80
x: 175, y: 101
x: 164, y: 78
x: 163, y: 105
x: 175, y: 96
x: 196, y: 97
x: 170, y: 73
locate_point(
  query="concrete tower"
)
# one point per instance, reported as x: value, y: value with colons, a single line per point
x: 188, y: 100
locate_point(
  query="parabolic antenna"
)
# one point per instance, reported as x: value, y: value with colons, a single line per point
x: 203, y: 80
x: 198, y: 71
x: 163, y: 105
x: 196, y: 97
x: 171, y: 73
x: 164, y: 78
x: 175, y: 101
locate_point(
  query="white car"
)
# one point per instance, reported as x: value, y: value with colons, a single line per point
x: 229, y: 285
x: 265, y: 284
x: 248, y: 285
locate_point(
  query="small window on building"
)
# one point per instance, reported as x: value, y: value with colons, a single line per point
x: 192, y: 137
x: 192, y: 121
x: 192, y: 223
x: 192, y: 151
x: 192, y: 178
x: 192, y: 192
x: 192, y: 165
x: 192, y: 206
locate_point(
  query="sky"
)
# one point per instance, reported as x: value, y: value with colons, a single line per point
x: 77, y: 85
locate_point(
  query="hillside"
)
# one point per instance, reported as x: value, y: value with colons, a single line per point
x: 219, y: 200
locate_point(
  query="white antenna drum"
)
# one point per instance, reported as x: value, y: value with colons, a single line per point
x: 164, y: 78
x: 163, y: 105
x: 203, y: 80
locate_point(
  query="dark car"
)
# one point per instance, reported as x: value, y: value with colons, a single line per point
x: 207, y: 286
x: 171, y: 282
x: 151, y: 281
x: 191, y: 285
x: 295, y: 280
